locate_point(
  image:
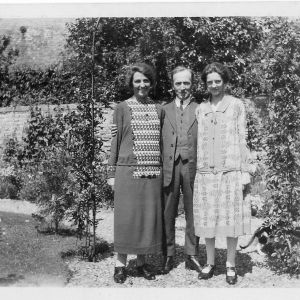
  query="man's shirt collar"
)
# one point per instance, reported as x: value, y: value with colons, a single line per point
x: 186, y: 102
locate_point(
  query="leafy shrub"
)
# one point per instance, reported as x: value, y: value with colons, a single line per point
x: 282, y: 71
x: 31, y: 184
x: 50, y: 185
x: 8, y: 188
x: 63, y: 170
x: 10, y: 181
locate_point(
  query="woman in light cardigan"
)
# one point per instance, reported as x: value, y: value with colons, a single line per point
x: 222, y: 171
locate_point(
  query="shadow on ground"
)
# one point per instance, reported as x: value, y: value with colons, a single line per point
x: 103, y: 250
x: 243, y: 260
x: 10, y: 279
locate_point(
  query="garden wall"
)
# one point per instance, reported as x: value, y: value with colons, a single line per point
x: 13, y: 122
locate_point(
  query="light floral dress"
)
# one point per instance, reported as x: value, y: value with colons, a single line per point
x: 223, y: 166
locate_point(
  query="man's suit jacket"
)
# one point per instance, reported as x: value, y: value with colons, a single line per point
x: 169, y: 139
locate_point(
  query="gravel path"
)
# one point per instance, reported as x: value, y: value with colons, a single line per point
x: 17, y: 206
x: 252, y: 267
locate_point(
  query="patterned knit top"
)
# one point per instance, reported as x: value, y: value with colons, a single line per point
x: 146, y: 137
x: 144, y: 125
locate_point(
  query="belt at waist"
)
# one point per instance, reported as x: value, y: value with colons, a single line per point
x: 216, y: 170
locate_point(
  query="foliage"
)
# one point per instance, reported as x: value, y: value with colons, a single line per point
x: 165, y: 43
x: 254, y: 126
x: 7, y: 58
x: 282, y: 73
x: 27, y: 86
x: 50, y: 185
x: 10, y: 181
x: 42, y: 132
x: 62, y: 169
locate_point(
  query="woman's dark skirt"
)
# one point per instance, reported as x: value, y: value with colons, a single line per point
x: 137, y: 213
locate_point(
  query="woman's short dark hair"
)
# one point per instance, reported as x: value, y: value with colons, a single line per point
x: 143, y: 68
x: 216, y: 67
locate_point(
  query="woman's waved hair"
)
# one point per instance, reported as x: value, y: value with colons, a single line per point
x: 143, y: 68
x: 219, y: 68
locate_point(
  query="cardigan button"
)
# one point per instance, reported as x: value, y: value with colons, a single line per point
x: 170, y: 157
x: 172, y: 145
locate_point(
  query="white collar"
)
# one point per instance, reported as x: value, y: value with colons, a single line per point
x: 186, y: 102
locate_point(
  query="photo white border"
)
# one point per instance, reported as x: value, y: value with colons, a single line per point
x: 154, y: 8
x: 114, y: 8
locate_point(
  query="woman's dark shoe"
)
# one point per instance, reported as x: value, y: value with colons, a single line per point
x: 231, y: 279
x: 210, y: 269
x: 120, y: 274
x: 192, y: 263
x: 146, y: 272
x: 168, y: 265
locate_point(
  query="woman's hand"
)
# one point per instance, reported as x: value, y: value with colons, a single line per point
x: 113, y: 130
x: 245, y: 179
x: 111, y: 182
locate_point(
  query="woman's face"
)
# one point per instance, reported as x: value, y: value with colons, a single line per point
x: 215, y: 84
x: 141, y: 85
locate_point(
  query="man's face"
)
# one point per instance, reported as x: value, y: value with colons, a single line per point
x: 182, y: 84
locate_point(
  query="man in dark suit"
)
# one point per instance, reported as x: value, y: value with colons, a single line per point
x: 179, y: 149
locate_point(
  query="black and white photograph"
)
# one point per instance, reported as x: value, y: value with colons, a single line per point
x: 148, y: 145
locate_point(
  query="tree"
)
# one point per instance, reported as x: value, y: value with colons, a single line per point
x: 165, y: 43
x: 281, y: 66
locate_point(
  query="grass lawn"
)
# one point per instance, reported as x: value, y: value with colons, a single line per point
x: 29, y: 258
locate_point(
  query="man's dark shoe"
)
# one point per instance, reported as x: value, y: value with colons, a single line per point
x: 192, y: 263
x: 231, y: 279
x: 120, y: 274
x: 168, y: 265
x: 146, y: 272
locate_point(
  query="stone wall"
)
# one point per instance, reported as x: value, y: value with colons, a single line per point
x: 14, y: 121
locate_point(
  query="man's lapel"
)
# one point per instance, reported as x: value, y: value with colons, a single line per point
x: 192, y: 115
x: 171, y: 113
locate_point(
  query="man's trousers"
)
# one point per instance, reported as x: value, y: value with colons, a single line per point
x: 181, y: 178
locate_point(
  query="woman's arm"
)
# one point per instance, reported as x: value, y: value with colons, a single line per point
x: 246, y: 160
x: 115, y: 144
x: 162, y: 118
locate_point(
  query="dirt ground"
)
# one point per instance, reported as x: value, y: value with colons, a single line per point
x: 253, y: 269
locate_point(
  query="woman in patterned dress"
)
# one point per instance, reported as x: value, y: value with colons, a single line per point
x: 135, y: 175
x: 222, y: 171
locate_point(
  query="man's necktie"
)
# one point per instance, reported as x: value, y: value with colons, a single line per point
x: 181, y: 104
